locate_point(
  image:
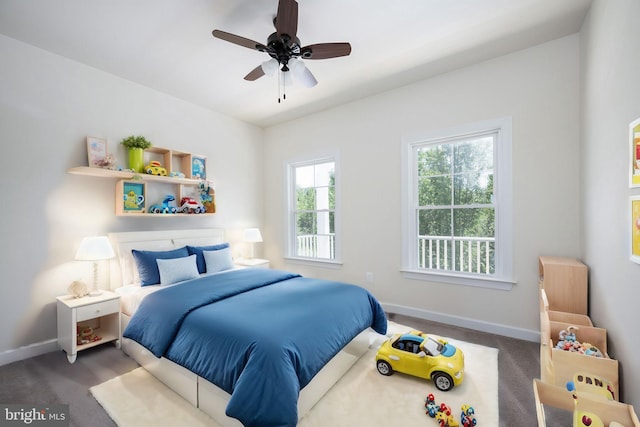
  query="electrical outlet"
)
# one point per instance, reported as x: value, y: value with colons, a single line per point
x: 368, y: 277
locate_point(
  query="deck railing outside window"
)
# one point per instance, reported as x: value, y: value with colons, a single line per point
x: 316, y: 246
x: 462, y: 254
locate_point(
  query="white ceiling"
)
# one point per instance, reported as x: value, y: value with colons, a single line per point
x: 167, y: 44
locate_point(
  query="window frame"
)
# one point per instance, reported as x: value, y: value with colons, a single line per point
x: 502, y: 278
x: 290, y: 226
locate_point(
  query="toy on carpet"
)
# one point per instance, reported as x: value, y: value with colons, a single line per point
x: 569, y: 342
x: 442, y: 413
x: 431, y: 406
x: 421, y: 355
x: 468, y: 416
x: 85, y: 335
x: 445, y: 418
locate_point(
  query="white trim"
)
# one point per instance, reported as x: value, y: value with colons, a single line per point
x: 464, y: 322
x: 28, y: 351
x: 504, y: 211
x: 476, y: 281
x: 314, y: 262
x: 326, y: 156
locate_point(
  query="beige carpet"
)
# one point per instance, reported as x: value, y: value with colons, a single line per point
x: 362, y: 397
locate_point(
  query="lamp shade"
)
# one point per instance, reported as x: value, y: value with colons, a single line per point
x: 95, y: 249
x: 252, y: 235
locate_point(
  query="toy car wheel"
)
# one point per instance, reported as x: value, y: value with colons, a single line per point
x: 442, y: 381
x: 384, y: 368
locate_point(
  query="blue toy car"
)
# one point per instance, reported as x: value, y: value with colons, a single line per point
x: 166, y: 207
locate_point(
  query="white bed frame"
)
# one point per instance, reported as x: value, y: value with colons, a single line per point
x: 196, y: 390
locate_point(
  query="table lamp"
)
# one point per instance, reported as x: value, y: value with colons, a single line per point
x: 95, y: 249
x: 253, y: 236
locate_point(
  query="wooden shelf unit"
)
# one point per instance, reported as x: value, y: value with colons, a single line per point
x: 565, y: 280
x: 173, y: 161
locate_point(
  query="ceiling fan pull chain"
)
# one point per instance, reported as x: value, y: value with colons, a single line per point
x: 284, y: 87
x: 279, y: 73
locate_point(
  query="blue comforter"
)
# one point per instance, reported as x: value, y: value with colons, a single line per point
x: 261, y: 335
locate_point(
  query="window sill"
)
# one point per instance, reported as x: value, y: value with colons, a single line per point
x: 325, y: 263
x: 460, y: 279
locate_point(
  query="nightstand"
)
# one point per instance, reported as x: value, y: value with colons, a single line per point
x: 96, y: 316
x: 252, y: 262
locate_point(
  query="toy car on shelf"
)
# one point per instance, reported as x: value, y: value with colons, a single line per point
x: 155, y: 168
x: 418, y: 354
x: 190, y: 205
x: 166, y: 207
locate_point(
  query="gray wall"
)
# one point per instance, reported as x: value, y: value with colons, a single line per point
x: 610, y: 52
x: 48, y: 106
x: 538, y: 88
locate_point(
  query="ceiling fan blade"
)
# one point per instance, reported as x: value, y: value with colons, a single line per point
x: 287, y: 18
x: 255, y: 74
x: 325, y: 50
x: 241, y: 41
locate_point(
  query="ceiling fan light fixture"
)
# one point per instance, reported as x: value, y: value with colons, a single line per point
x: 270, y: 67
x: 301, y: 73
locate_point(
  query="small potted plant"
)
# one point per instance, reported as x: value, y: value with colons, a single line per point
x: 136, y: 146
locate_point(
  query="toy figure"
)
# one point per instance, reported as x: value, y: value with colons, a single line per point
x: 431, y: 406
x: 468, y: 418
x: 445, y: 417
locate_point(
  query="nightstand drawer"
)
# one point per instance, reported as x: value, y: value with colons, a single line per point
x: 96, y: 310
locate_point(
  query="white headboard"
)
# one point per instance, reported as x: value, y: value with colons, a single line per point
x: 123, y: 268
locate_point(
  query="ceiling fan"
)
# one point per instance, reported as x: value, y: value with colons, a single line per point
x: 284, y: 48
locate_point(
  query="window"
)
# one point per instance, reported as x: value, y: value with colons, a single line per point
x: 457, y: 205
x: 312, y: 210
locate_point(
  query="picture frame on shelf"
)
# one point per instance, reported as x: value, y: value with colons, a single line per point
x: 634, y: 148
x: 198, y: 167
x: 635, y: 228
x: 96, y: 151
x: 133, y: 196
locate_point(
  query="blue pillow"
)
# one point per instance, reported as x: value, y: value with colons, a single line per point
x: 197, y: 251
x: 148, y: 267
x: 219, y: 260
x: 176, y: 270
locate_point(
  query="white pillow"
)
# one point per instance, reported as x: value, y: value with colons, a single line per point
x: 219, y: 260
x: 175, y: 270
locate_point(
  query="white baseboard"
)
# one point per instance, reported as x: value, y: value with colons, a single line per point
x: 26, y: 352
x: 464, y: 322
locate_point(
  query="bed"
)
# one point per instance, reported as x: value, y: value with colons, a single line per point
x: 284, y: 339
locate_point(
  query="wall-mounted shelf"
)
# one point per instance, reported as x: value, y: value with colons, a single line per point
x: 143, y: 179
x: 108, y: 173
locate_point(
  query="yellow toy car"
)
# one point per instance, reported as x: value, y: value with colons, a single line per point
x: 155, y: 168
x: 418, y: 354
